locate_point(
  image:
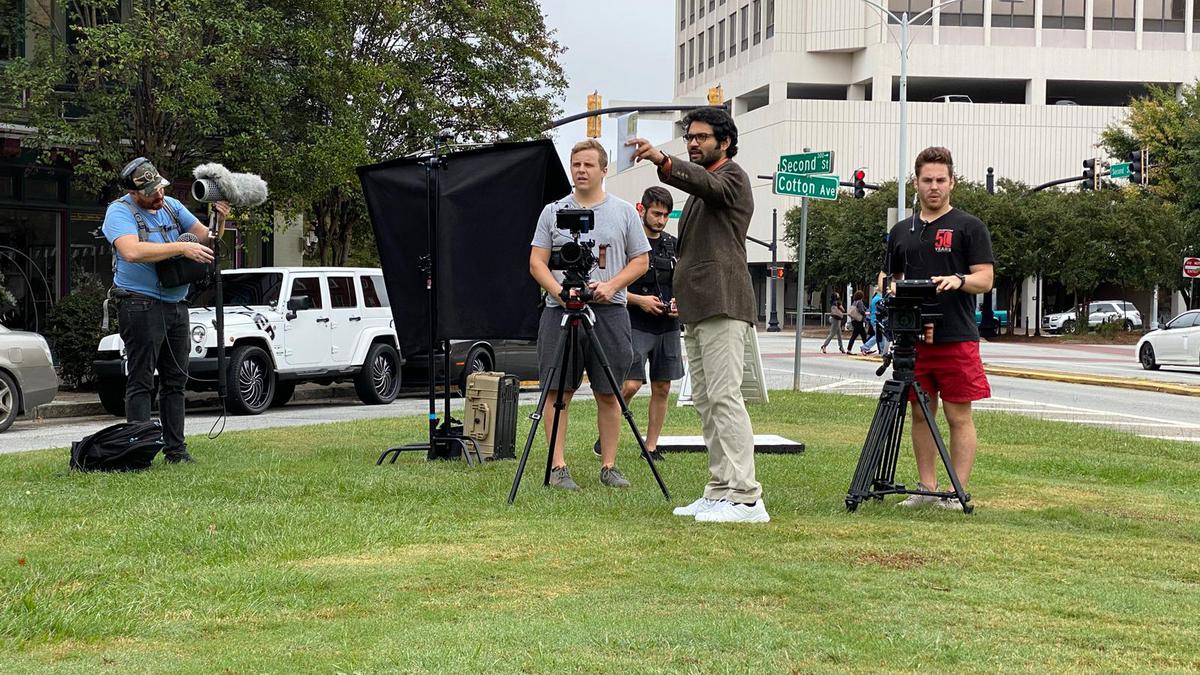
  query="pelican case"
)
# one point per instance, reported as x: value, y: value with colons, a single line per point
x: 491, y: 413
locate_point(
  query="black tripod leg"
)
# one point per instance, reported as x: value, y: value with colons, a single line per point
x: 536, y: 417
x: 887, y: 468
x: 566, y: 343
x: 962, y: 496
x: 616, y: 387
x: 875, y: 449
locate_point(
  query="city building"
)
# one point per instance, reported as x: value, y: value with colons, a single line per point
x: 1023, y: 87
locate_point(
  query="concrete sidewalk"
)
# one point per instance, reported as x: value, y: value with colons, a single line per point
x: 68, y: 404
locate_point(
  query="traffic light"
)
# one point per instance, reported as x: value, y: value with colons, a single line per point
x: 595, y: 102
x: 715, y: 95
x: 1139, y: 161
x: 777, y: 272
x: 1091, y: 178
x: 860, y: 186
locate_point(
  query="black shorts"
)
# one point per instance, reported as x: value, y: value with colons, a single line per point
x: 612, y: 331
x: 663, y: 350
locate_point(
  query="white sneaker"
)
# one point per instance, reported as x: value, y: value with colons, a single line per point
x: 951, y: 504
x: 699, y: 506
x: 920, y: 500
x: 732, y: 512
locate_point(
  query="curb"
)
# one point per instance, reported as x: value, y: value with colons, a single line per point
x: 205, y: 400
x: 1069, y: 378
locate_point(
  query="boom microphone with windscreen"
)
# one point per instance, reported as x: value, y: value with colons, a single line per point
x: 215, y: 183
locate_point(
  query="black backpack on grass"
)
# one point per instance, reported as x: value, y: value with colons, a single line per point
x: 128, y: 446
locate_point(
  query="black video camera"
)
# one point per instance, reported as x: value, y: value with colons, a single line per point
x: 576, y: 258
x: 911, y: 308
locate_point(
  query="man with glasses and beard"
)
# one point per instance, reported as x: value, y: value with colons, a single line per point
x: 716, y: 304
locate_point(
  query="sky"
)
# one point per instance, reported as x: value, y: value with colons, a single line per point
x: 621, y: 48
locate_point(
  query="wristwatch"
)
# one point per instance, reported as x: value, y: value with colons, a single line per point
x: 962, y: 280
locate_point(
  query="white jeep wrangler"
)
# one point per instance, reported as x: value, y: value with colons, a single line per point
x: 283, y: 326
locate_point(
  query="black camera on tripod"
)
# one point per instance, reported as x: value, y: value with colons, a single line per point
x: 576, y: 258
x: 911, y: 308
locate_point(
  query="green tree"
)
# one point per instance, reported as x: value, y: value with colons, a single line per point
x: 1169, y: 127
x: 375, y: 81
x: 174, y: 81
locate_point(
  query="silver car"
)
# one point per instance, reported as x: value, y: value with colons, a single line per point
x: 27, y: 377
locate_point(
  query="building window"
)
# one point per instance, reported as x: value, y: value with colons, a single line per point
x: 681, y: 66
x: 770, y: 19
x: 1007, y: 14
x: 682, y: 14
x: 700, y: 52
x: 12, y: 29
x: 701, y: 9
x: 745, y: 27
x: 1114, y: 15
x: 712, y: 5
x: 965, y: 13
x: 712, y: 47
x: 757, y: 21
x: 691, y: 11
x: 1196, y: 16
x: 913, y: 7
x: 721, y: 39
x: 1063, y: 14
x: 732, y: 34
x: 1163, y: 16
x: 692, y: 57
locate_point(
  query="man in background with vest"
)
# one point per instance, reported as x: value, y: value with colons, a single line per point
x: 144, y: 228
x: 653, y: 319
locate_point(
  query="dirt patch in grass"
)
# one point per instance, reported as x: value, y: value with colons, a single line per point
x: 903, y: 560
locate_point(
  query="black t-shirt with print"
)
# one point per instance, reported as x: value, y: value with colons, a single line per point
x: 946, y: 246
x: 656, y: 282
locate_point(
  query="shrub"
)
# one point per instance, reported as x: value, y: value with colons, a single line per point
x: 74, y: 330
x: 1111, y: 329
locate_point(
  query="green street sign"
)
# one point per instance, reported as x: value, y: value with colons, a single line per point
x: 796, y: 185
x: 808, y: 163
x: 1120, y: 170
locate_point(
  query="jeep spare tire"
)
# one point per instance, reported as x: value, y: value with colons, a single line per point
x: 250, y: 380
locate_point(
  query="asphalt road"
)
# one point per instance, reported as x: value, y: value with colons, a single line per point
x: 1141, y: 412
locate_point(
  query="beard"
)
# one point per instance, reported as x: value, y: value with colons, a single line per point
x: 705, y: 158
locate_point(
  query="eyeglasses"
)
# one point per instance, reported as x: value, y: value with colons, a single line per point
x: 699, y: 138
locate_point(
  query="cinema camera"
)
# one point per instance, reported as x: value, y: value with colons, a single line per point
x: 576, y: 258
x: 909, y: 316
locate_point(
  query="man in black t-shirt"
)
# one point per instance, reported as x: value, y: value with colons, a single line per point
x: 653, y: 318
x: 953, y: 249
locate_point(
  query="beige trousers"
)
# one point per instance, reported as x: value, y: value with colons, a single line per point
x: 716, y: 350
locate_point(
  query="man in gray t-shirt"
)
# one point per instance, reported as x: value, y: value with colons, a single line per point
x: 620, y: 241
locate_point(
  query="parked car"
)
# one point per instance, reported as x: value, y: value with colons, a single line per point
x: 1177, y: 343
x: 1101, y: 311
x: 27, y: 377
x: 517, y: 357
x: 953, y: 98
x: 283, y: 326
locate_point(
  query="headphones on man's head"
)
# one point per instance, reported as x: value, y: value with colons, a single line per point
x: 126, y: 177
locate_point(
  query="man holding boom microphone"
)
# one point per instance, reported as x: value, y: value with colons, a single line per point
x: 146, y: 227
x: 716, y: 303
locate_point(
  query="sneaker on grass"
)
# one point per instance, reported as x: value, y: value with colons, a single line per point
x: 699, y: 506
x: 920, y: 500
x: 560, y: 478
x: 951, y: 504
x: 733, y: 512
x: 612, y: 478
x: 596, y: 449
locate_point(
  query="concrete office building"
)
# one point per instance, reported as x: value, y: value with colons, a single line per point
x: 1044, y: 78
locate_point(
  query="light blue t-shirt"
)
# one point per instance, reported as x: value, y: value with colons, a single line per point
x: 617, y: 226
x: 142, y: 277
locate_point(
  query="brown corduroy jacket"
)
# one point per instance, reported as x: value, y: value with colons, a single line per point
x: 712, y: 277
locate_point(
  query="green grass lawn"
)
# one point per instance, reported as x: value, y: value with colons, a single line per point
x: 288, y: 550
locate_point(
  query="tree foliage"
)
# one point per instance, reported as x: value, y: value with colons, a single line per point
x: 1169, y: 127
x: 300, y: 91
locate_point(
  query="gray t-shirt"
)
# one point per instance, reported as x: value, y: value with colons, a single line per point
x: 617, y: 224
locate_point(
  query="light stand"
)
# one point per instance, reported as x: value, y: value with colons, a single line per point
x: 446, y: 440
x: 214, y: 236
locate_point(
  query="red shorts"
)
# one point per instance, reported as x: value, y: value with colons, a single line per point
x: 951, y: 370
